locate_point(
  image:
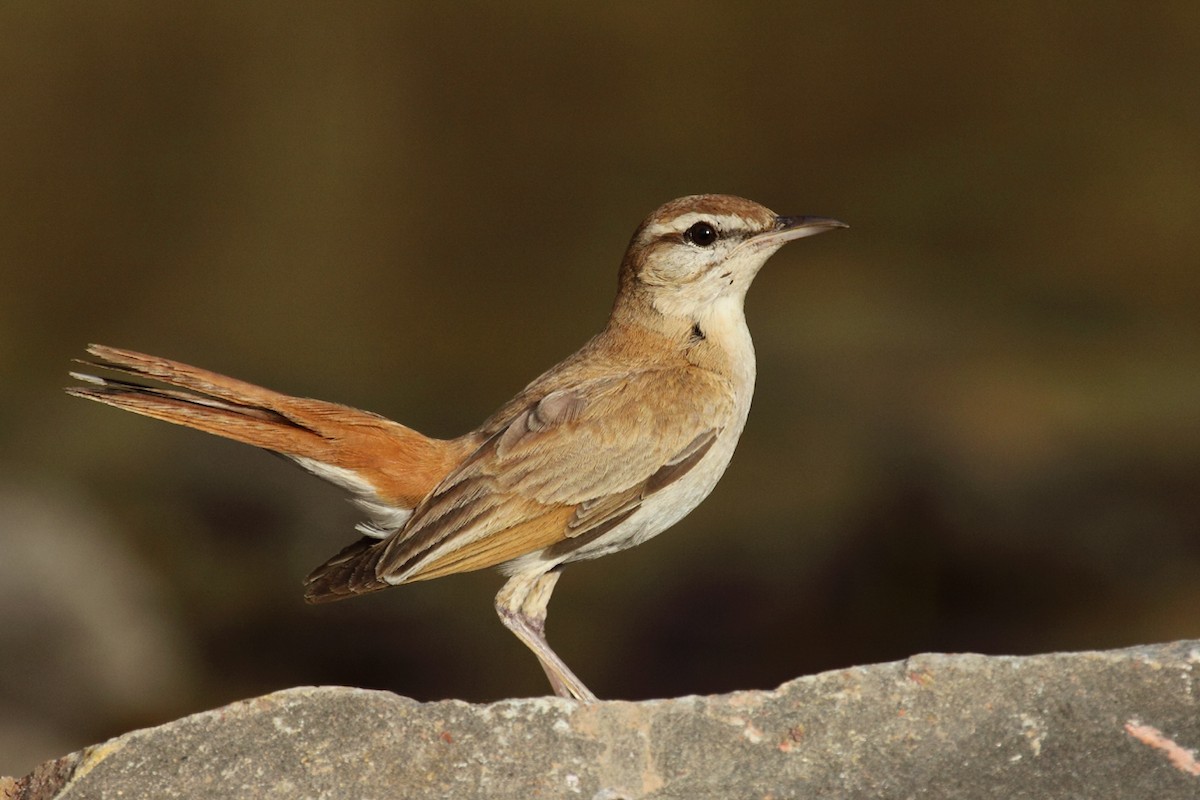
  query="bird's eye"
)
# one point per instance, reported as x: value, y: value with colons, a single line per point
x: 702, y: 234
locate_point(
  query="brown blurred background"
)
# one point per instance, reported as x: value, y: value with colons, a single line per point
x: 977, y: 424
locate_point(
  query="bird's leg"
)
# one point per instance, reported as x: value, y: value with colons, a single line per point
x: 521, y: 605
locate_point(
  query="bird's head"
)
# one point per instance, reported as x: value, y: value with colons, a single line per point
x: 704, y: 250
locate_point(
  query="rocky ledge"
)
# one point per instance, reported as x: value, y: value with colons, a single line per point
x: 1116, y: 724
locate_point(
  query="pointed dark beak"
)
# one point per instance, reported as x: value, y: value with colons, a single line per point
x: 789, y: 228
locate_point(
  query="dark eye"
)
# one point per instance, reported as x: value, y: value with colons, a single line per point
x: 702, y: 234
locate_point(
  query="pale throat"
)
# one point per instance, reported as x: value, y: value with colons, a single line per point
x: 722, y: 323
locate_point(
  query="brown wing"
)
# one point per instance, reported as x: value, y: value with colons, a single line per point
x: 567, y: 465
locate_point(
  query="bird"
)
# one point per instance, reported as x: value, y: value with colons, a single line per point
x: 600, y: 453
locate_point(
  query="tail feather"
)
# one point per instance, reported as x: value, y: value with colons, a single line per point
x: 175, y: 373
x: 379, y: 460
x: 260, y: 427
x: 213, y: 403
x: 116, y: 388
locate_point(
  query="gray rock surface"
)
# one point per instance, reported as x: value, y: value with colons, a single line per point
x: 1121, y: 724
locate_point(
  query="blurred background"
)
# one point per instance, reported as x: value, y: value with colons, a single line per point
x: 977, y: 422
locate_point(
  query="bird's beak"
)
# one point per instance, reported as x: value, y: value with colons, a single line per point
x: 789, y: 228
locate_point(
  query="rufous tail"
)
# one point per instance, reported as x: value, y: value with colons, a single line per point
x: 371, y: 456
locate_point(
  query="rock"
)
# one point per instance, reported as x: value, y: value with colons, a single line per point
x: 1117, y: 724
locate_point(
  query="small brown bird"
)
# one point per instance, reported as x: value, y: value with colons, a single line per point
x: 609, y: 448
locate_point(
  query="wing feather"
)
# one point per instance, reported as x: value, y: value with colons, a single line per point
x: 566, y: 464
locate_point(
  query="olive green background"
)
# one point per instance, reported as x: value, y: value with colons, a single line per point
x: 977, y: 422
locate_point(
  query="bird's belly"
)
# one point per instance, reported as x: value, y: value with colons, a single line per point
x: 664, y: 508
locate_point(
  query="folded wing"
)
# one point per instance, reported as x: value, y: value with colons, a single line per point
x: 565, y: 468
